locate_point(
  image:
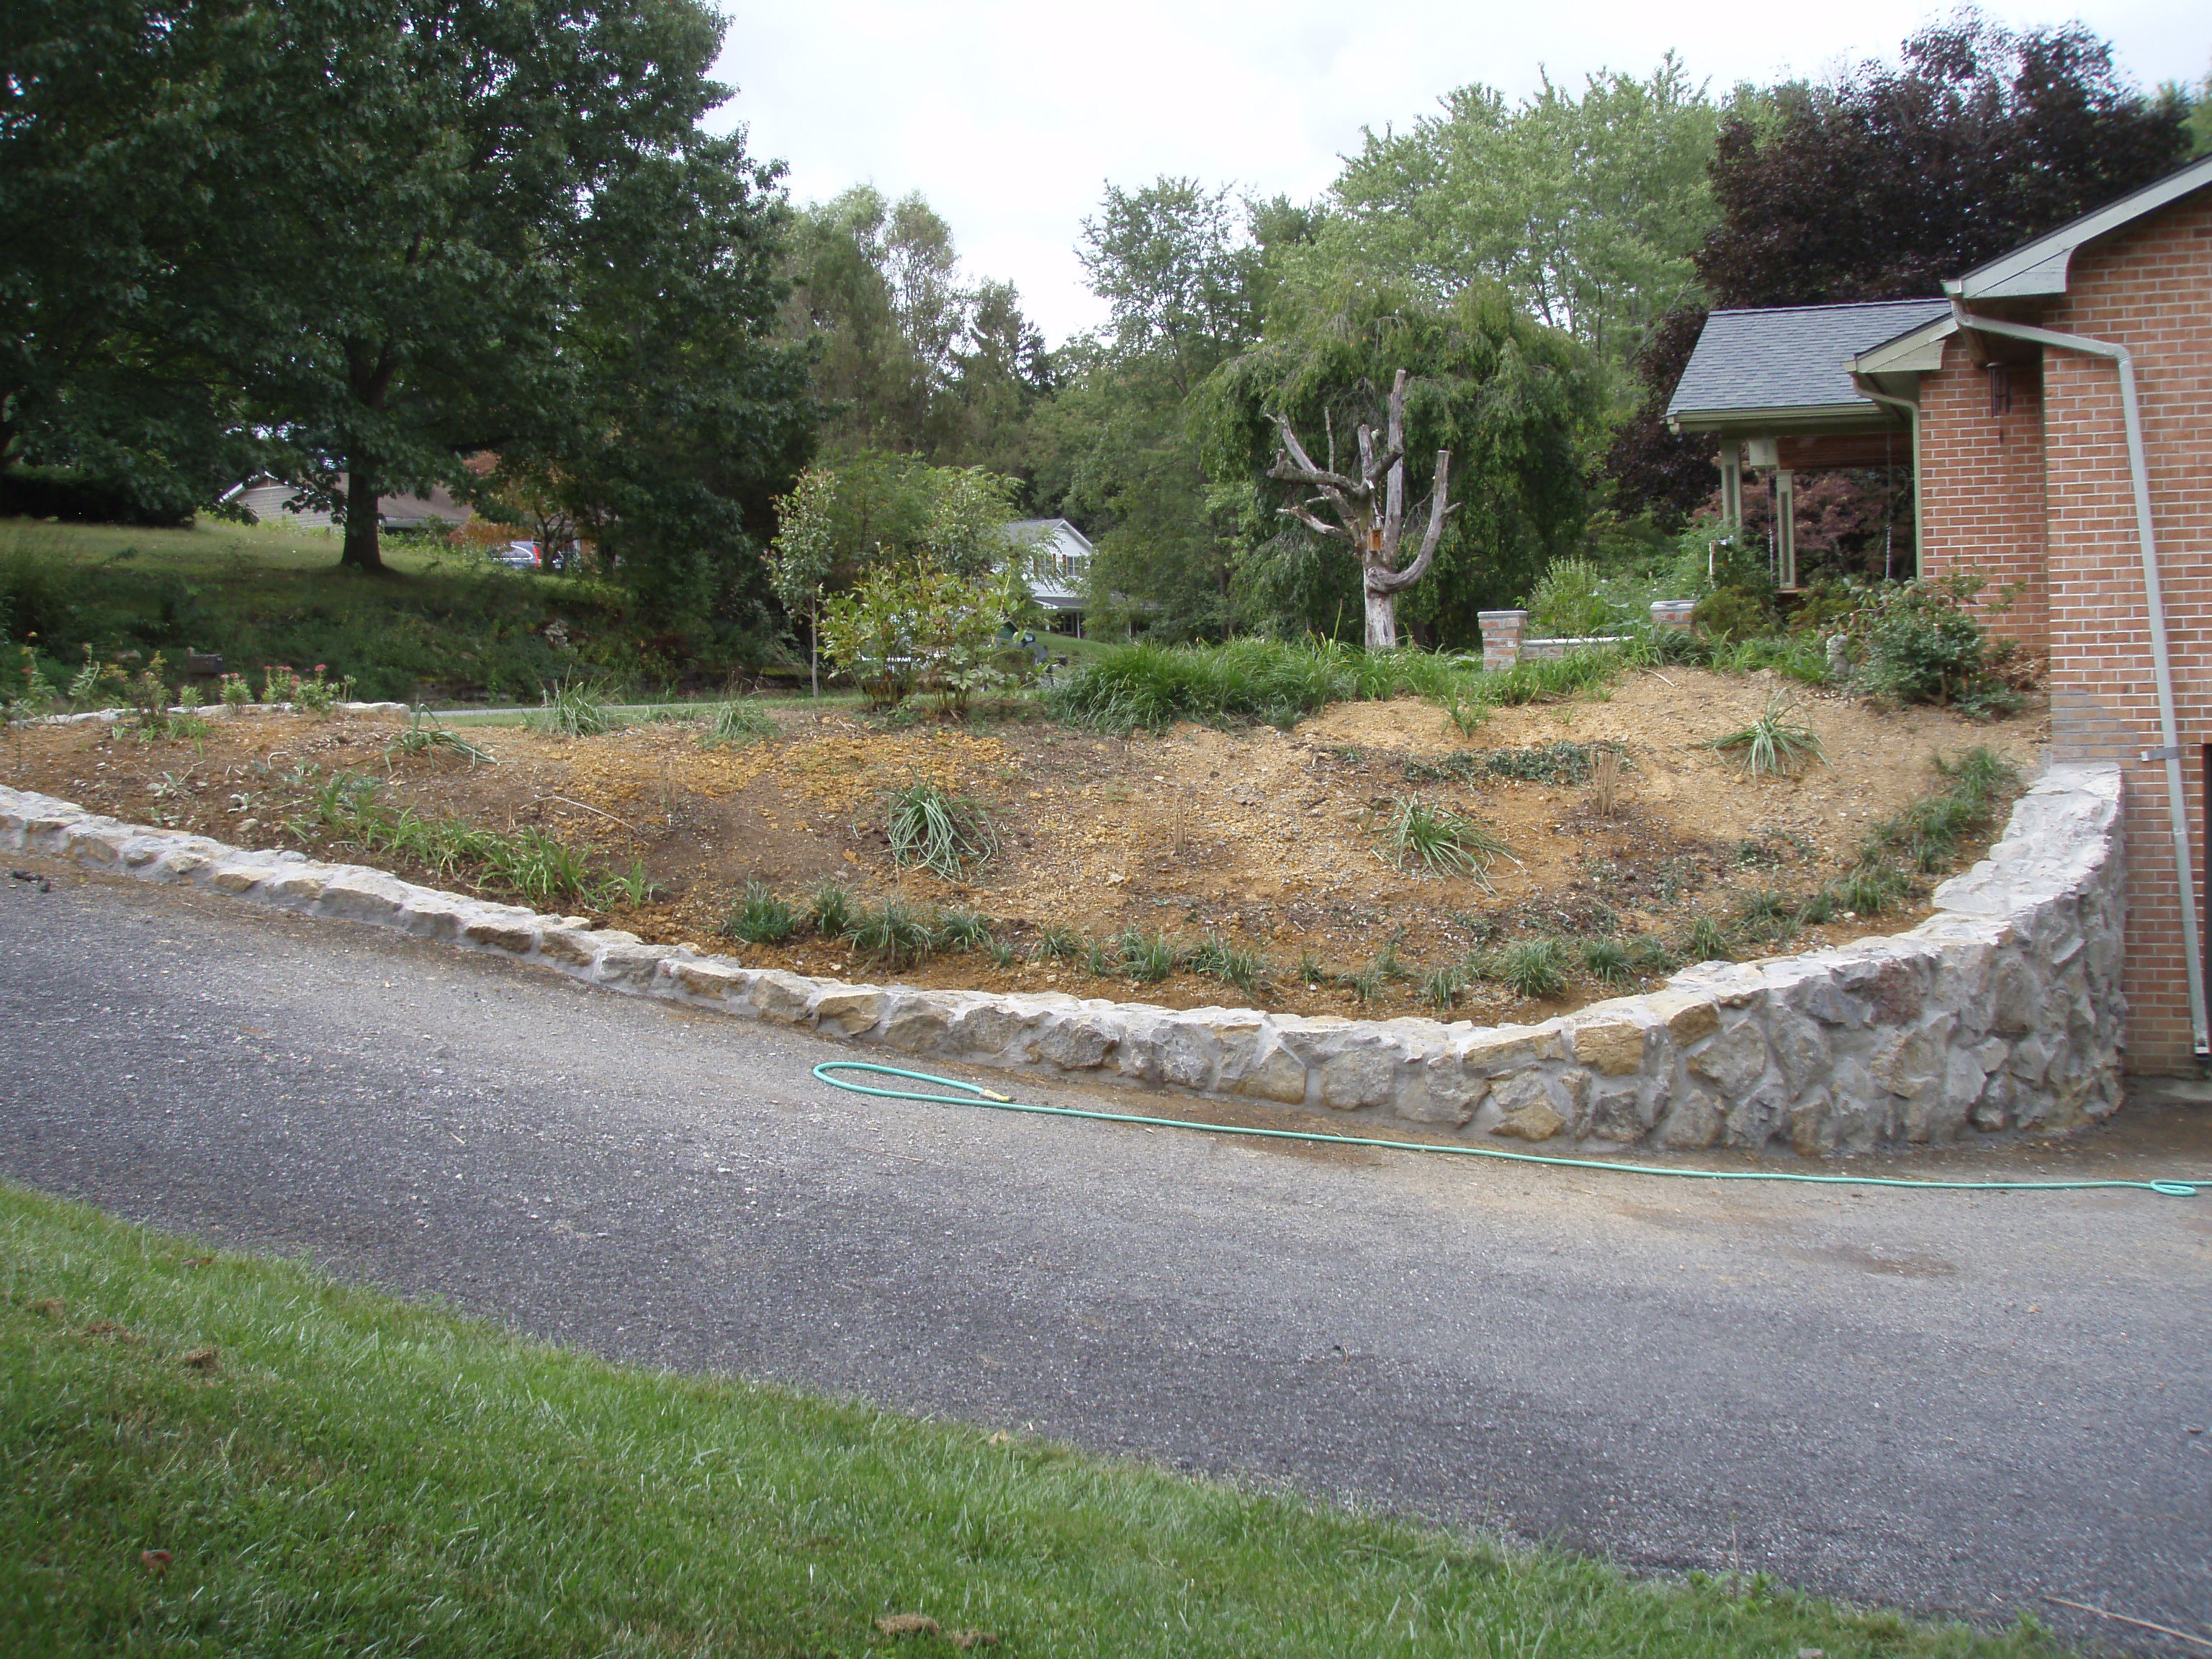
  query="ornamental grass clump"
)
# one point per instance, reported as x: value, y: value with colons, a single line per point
x: 739, y: 723
x: 895, y: 934
x: 1425, y: 839
x: 1232, y: 965
x: 1147, y: 958
x: 941, y: 832
x: 761, y: 917
x: 1778, y: 744
x: 1534, y: 968
x: 578, y: 708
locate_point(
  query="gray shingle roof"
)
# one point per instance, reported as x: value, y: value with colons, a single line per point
x: 1790, y: 356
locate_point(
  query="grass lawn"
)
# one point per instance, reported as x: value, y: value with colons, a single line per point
x: 330, y: 1471
x: 442, y: 623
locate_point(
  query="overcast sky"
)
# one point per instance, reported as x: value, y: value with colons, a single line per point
x: 1011, y: 117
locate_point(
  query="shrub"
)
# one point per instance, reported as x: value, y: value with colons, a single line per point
x: 941, y: 832
x: 896, y: 934
x: 1728, y: 614
x: 830, y: 908
x: 1923, y: 641
x: 1147, y: 959
x: 963, y: 930
x: 1606, y: 961
x: 918, y: 628
x: 1568, y: 601
x: 1232, y: 965
x: 1057, y: 942
x: 1707, y: 941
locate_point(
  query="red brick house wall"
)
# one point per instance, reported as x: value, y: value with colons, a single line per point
x: 2149, y: 287
x: 1981, y: 491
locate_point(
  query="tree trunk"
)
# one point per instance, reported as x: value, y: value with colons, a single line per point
x: 814, y: 646
x: 1381, y: 619
x: 360, y: 549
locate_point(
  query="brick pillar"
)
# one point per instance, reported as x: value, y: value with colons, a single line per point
x: 1501, y: 637
x: 1671, y: 616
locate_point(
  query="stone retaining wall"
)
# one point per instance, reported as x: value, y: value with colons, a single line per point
x: 2001, y: 1010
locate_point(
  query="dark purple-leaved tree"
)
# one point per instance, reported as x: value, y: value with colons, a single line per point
x: 1879, y: 184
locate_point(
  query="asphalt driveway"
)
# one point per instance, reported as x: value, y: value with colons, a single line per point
x: 1959, y: 1403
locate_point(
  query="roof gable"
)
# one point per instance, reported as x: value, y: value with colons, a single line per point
x: 2042, y: 266
x: 1789, y: 359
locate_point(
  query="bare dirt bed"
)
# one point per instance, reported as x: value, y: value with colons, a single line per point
x: 1267, y: 840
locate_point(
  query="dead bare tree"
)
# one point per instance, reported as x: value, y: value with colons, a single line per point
x: 1371, y: 509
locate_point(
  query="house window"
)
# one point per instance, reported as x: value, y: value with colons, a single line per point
x: 2000, y: 390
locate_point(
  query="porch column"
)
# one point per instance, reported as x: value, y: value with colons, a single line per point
x: 1731, y: 483
x: 1785, y: 528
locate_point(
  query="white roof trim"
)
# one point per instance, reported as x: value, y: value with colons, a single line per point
x: 2041, y: 266
x: 1919, y: 352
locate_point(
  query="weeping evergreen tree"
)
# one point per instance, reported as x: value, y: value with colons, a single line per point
x: 1519, y: 407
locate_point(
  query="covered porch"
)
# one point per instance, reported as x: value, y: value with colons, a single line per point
x: 1776, y: 389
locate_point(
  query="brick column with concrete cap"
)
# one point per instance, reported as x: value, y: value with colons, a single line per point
x: 1501, y: 637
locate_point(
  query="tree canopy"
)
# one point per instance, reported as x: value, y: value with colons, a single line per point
x: 378, y: 236
x: 1518, y: 405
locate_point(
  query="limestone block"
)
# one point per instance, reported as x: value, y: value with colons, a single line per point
x: 240, y: 877
x: 1757, y: 1118
x: 990, y: 1028
x: 295, y: 888
x: 1689, y: 1018
x: 1613, y: 1048
x: 359, y: 895
x: 1910, y: 1063
x: 1493, y: 1051
x: 1275, y: 1073
x: 428, y: 915
x: 781, y: 998
x: 918, y: 1021
x: 1732, y: 1061
x: 1812, y: 1126
x: 850, y: 1009
x: 94, y: 840
x: 1534, y: 1122
x: 1993, y: 1111
x: 1802, y: 1047
x: 1184, y: 1054
x: 1442, y: 1090
x: 1356, y: 1078
x: 496, y: 931
x: 572, y: 947
x: 1694, y: 1123
x: 716, y: 979
x: 2015, y: 997
x: 1616, y: 1113
x: 1079, y: 1042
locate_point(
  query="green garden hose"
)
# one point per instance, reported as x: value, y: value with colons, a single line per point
x: 982, y: 1097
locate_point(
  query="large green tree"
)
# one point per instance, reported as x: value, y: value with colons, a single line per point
x: 104, y: 122
x: 1519, y: 406
x: 913, y: 356
x: 1188, y: 272
x: 1586, y: 208
x: 380, y: 233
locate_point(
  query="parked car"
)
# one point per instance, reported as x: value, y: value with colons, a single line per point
x: 517, y: 555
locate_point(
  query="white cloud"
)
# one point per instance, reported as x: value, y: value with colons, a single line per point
x: 1010, y: 119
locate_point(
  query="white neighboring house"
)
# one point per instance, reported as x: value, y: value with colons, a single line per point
x: 269, y: 501
x: 1062, y: 569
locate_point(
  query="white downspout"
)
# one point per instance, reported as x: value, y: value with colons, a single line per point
x: 2176, y: 799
